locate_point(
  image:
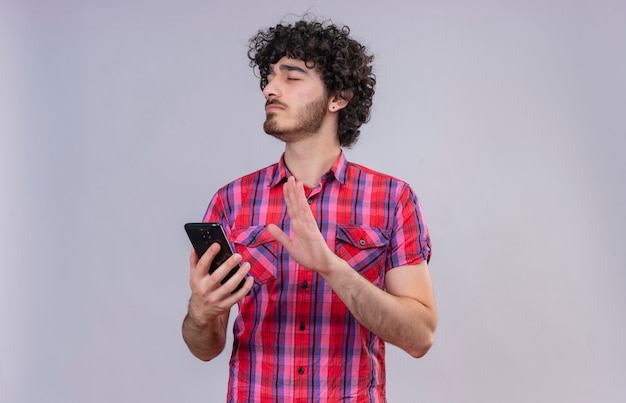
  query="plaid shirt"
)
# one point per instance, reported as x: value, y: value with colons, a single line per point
x: 294, y: 339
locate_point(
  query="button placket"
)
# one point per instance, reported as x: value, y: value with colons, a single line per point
x: 301, y: 326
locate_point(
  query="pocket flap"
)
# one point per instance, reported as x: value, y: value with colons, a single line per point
x: 362, y: 237
x: 252, y: 237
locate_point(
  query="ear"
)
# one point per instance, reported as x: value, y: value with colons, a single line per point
x: 340, y: 100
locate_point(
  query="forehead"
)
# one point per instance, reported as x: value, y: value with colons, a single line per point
x: 288, y: 64
x: 290, y: 61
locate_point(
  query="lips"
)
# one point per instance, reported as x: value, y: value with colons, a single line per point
x: 274, y: 105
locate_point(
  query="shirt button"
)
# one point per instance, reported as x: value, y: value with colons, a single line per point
x: 304, y: 284
x: 362, y: 242
x: 302, y: 326
x: 301, y: 370
x: 310, y: 200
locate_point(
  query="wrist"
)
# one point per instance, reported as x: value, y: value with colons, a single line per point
x: 197, y: 318
x: 336, y: 269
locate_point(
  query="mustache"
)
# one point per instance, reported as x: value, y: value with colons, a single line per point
x: 274, y: 102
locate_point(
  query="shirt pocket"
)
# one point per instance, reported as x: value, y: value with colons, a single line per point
x: 364, y: 248
x: 259, y: 248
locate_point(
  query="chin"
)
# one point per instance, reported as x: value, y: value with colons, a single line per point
x: 271, y: 127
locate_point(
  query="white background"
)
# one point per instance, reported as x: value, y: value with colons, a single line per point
x: 120, y: 119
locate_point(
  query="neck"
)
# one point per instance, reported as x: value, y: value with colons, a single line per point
x: 311, y: 158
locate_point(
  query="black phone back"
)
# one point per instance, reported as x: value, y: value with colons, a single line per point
x: 204, y: 234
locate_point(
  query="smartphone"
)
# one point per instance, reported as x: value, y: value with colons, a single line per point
x: 204, y: 234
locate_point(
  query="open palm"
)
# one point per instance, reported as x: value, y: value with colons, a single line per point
x: 306, y: 246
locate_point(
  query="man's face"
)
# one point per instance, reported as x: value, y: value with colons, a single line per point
x: 296, y: 101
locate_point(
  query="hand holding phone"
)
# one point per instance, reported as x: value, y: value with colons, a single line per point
x: 203, y: 235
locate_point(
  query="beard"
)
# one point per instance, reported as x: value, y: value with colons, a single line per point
x: 308, y: 122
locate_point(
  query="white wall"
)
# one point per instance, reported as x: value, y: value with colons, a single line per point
x: 119, y: 119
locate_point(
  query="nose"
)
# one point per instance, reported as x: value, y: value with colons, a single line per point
x: 272, y: 89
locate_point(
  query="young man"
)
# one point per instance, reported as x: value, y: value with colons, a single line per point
x: 334, y: 254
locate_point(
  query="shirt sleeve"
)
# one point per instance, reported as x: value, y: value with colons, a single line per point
x: 410, y: 238
x: 219, y: 211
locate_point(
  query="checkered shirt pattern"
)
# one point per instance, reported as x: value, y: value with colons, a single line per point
x: 294, y: 339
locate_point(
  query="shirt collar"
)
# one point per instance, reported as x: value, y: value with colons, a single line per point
x: 338, y: 170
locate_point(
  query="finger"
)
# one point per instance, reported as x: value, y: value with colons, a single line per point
x: 193, y: 262
x: 235, y: 297
x: 288, y: 192
x: 295, y: 198
x: 193, y: 258
x: 278, y: 234
x: 199, y: 267
x: 240, y: 274
x: 245, y: 289
x: 220, y: 272
x: 299, y: 190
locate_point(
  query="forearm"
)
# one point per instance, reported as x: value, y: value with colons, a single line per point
x: 205, y: 340
x: 400, y: 320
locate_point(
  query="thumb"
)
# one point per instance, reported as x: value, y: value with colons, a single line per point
x: 278, y: 234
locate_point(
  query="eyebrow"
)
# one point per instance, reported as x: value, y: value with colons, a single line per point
x: 288, y: 68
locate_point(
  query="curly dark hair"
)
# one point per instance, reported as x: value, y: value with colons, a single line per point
x: 344, y: 64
